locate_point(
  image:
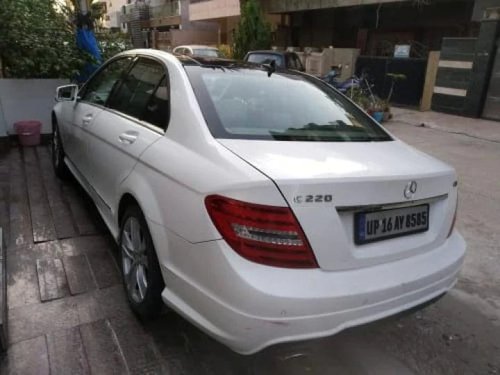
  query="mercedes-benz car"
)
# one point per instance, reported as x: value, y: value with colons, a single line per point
x: 260, y: 204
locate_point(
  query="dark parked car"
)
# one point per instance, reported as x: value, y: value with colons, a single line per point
x: 283, y: 59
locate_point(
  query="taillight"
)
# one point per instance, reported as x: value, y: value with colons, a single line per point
x: 263, y: 234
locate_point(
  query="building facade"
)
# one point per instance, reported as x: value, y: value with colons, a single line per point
x: 112, y: 11
x: 224, y: 15
x: 165, y: 24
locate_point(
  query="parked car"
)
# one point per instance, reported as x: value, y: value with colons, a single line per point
x: 197, y: 50
x: 283, y: 59
x: 262, y: 205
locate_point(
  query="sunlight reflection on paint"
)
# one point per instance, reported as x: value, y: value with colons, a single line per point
x: 317, y: 168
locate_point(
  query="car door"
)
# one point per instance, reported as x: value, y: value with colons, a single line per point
x: 136, y: 115
x: 88, y: 108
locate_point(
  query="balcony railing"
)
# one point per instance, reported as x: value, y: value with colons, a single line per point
x: 131, y: 12
x: 152, y: 16
x: 169, y: 9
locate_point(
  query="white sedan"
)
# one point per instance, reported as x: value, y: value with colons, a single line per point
x: 197, y: 50
x: 261, y: 205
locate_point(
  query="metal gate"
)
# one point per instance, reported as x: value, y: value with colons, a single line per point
x: 406, y: 92
x: 491, y: 107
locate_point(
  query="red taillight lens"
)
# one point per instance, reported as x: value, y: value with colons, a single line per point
x: 263, y: 234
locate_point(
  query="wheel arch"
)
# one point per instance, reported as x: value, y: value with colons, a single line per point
x: 126, y: 201
x: 53, y: 117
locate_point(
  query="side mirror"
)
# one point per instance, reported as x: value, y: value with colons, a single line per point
x: 67, y: 93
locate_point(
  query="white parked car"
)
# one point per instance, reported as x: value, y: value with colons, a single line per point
x: 197, y: 50
x: 261, y: 205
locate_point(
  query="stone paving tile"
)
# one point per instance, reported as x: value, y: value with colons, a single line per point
x: 103, y: 352
x: 104, y: 269
x: 66, y: 352
x: 43, y: 250
x: 19, y: 213
x: 86, y: 244
x: 51, y: 279
x: 80, y: 279
x: 41, y: 215
x: 61, y: 213
x: 113, y: 302
x: 22, y: 279
x: 139, y: 351
x: 29, y: 357
x: 30, y: 321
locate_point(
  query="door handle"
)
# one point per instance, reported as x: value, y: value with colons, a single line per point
x: 87, y: 119
x: 128, y: 137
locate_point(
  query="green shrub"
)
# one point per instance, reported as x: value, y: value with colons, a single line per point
x: 37, y: 41
x: 253, y: 31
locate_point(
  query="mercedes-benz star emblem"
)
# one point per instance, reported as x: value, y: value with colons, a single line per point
x: 410, y: 189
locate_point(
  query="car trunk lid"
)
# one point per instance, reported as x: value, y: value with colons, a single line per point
x: 327, y: 183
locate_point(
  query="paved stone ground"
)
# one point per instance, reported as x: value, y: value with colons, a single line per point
x: 68, y: 312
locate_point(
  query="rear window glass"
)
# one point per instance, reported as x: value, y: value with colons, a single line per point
x: 248, y: 104
x: 208, y: 52
x: 265, y: 58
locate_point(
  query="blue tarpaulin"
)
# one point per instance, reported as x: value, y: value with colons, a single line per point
x: 86, y: 41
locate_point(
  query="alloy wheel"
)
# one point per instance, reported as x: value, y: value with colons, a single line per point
x: 134, y: 259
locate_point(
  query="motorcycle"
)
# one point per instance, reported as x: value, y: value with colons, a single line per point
x: 343, y: 86
x: 355, y: 84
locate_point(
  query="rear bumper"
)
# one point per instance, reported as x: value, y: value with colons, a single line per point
x: 249, y: 307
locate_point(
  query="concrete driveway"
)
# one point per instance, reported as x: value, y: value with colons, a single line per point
x: 68, y: 313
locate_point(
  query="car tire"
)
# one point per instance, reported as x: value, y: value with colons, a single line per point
x: 142, y: 277
x: 60, y: 168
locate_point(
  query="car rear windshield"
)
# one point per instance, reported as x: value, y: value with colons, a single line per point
x: 244, y: 103
x: 265, y: 58
x: 208, y: 52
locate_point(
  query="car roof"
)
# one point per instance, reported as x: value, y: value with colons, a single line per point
x: 202, y: 61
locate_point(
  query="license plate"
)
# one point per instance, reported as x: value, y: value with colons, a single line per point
x: 380, y: 225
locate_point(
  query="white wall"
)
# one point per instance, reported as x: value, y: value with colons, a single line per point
x: 27, y: 99
x: 3, y: 124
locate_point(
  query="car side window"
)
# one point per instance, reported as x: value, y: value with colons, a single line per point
x: 98, y: 89
x: 157, y: 111
x: 143, y: 93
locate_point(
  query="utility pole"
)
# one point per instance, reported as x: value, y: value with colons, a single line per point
x: 84, y: 6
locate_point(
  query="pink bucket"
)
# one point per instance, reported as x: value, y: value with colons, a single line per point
x: 28, y: 132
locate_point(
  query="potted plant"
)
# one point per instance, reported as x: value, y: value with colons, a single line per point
x: 376, y: 109
x: 387, y: 110
x: 395, y: 77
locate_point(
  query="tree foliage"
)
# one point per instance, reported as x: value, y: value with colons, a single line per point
x: 253, y: 31
x: 37, y: 40
x: 113, y: 43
